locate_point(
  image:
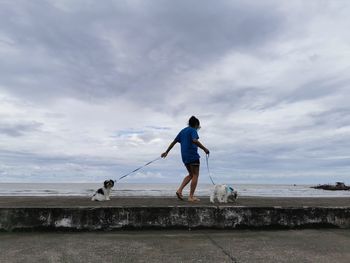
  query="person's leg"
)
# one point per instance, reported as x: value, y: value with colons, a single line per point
x: 186, y: 180
x: 195, y: 174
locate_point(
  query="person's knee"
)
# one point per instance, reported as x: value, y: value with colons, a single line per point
x: 190, y: 175
x: 195, y: 177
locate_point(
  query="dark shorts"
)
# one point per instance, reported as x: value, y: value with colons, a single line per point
x: 196, y: 162
x: 191, y: 165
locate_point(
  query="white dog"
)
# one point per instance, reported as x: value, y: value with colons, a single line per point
x: 223, y: 194
x: 103, y: 194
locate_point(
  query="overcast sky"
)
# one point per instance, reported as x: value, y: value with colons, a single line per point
x: 90, y: 90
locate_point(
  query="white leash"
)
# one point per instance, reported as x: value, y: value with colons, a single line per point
x: 207, y: 158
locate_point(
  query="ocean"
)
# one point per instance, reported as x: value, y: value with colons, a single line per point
x: 129, y: 189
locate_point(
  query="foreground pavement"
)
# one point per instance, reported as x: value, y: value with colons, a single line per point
x: 323, y: 245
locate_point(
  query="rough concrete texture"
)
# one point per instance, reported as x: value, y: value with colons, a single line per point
x: 321, y: 246
x: 80, y: 201
x: 70, y: 213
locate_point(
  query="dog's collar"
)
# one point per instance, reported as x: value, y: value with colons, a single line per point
x: 229, y: 189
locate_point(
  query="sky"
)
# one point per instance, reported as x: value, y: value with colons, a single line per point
x: 91, y: 90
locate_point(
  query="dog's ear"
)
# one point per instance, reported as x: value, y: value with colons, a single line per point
x: 111, y: 182
x: 105, y: 183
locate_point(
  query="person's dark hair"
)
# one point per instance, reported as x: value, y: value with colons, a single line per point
x: 193, y: 122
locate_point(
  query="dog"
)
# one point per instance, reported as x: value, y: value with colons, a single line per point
x: 103, y: 194
x: 223, y: 194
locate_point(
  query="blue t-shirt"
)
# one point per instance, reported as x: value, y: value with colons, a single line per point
x: 189, y: 151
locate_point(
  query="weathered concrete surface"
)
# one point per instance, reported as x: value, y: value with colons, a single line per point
x: 80, y: 201
x: 321, y: 246
x: 72, y: 213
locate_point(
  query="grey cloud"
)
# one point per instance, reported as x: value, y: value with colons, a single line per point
x: 336, y: 118
x: 70, y: 53
x: 34, y: 167
x: 57, y: 55
x: 145, y: 135
x: 321, y: 87
x: 329, y: 120
x: 144, y: 51
x: 282, y: 162
x: 15, y: 157
x: 19, y: 129
x: 231, y: 98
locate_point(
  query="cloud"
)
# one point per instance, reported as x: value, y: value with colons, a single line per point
x: 18, y: 129
x: 118, y: 49
x: 140, y: 175
x: 115, y: 81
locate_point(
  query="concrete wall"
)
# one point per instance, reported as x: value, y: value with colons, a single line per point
x: 110, y: 218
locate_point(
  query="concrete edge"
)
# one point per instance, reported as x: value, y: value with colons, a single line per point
x: 176, y: 217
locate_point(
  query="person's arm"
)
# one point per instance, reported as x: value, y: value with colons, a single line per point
x: 164, y: 154
x: 196, y: 142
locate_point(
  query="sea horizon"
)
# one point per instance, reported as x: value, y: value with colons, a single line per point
x: 162, y: 189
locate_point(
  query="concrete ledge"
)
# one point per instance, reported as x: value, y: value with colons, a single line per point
x: 97, y: 216
x: 14, y: 219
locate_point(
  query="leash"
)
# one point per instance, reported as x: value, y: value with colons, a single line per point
x: 207, y: 158
x: 139, y: 168
x: 125, y: 175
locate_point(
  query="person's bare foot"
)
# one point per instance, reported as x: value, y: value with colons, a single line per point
x: 193, y: 199
x: 179, y: 196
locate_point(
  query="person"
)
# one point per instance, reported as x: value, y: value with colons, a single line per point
x: 188, y: 138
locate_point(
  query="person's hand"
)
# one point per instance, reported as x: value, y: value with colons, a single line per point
x: 206, y: 150
x: 163, y: 155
